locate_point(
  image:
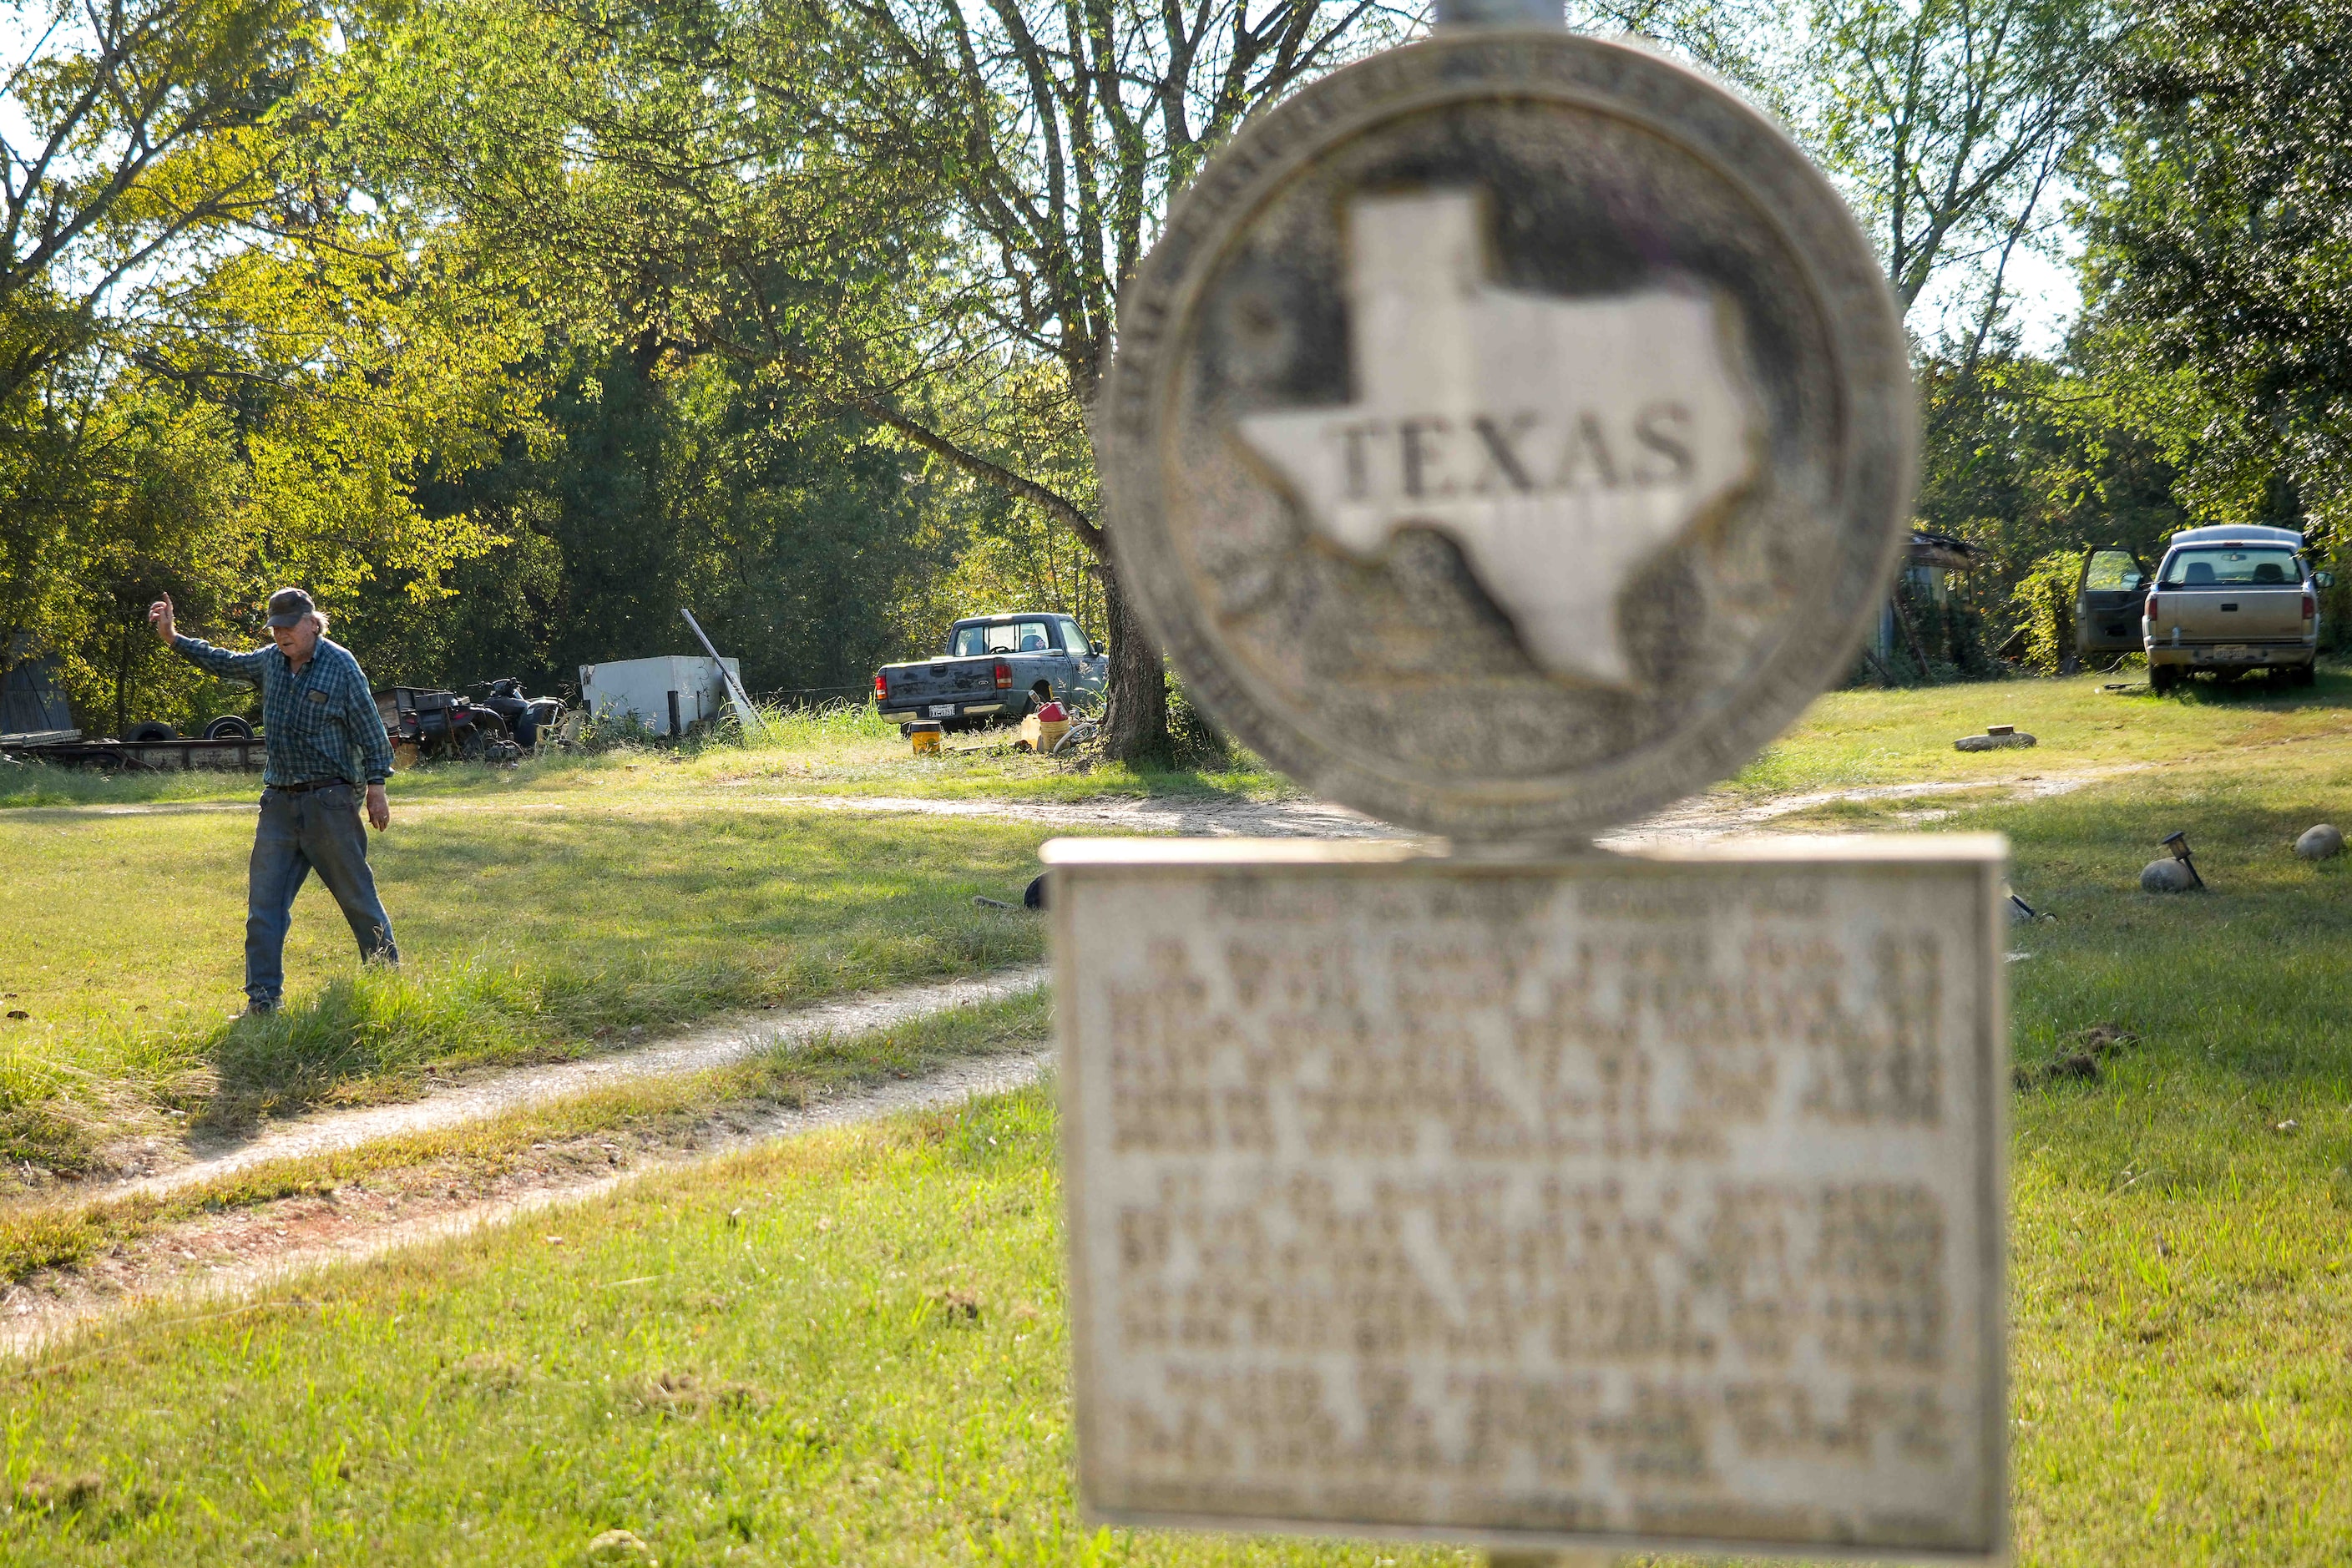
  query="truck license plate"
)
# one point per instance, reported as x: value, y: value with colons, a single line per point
x: 2229, y: 653
x: 941, y: 709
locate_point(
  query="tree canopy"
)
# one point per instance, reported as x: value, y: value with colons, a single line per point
x: 510, y: 325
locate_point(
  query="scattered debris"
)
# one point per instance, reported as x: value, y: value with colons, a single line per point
x: 2323, y: 842
x: 2289, y: 1125
x: 684, y: 1393
x: 960, y: 1306
x: 1995, y: 738
x: 2080, y: 1063
x: 1044, y: 730
x: 988, y: 903
x: 620, y: 1546
x: 49, y: 1495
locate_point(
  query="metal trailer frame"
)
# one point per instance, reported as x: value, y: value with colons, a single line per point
x: 230, y: 755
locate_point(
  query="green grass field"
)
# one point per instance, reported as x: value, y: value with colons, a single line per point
x: 847, y: 1350
x: 1850, y: 739
x: 597, y: 1129
x: 527, y: 934
x: 850, y: 1349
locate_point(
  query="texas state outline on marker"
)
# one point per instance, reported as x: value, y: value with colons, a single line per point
x: 1559, y: 442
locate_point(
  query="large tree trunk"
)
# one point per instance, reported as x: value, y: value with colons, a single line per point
x: 1135, y: 728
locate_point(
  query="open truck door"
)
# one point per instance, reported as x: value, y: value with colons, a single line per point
x: 2107, y: 600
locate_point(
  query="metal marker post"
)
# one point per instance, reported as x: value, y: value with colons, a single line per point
x: 745, y: 712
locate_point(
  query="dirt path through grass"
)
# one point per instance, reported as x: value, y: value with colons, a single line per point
x: 1714, y: 816
x: 491, y: 1094
x: 1206, y: 816
x: 252, y: 1256
x: 1188, y: 815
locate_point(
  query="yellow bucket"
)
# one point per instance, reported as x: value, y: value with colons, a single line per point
x: 1042, y: 734
x: 927, y: 738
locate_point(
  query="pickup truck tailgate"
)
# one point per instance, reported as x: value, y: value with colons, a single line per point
x: 2230, y: 614
x: 943, y: 680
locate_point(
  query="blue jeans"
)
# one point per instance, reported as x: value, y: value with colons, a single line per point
x: 317, y: 831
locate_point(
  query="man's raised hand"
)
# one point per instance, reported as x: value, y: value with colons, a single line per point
x: 159, y: 616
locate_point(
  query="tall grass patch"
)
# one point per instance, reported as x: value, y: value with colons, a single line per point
x: 525, y: 936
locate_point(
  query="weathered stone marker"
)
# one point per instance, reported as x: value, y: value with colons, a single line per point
x: 1510, y: 434
x: 1650, y: 1199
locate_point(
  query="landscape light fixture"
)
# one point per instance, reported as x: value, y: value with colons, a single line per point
x: 2178, y: 843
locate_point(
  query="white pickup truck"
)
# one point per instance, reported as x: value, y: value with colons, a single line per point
x: 2232, y: 599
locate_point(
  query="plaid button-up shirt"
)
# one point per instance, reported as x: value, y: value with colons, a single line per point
x: 320, y: 721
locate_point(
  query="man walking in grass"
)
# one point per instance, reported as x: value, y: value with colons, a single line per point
x: 324, y: 737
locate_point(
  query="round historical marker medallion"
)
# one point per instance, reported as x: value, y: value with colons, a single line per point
x: 1509, y: 434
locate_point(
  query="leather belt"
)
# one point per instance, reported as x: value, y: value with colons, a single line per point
x: 307, y: 785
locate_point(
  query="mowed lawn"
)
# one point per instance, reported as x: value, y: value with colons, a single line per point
x: 839, y: 751
x: 530, y: 929
x: 852, y: 1348
x: 1866, y: 738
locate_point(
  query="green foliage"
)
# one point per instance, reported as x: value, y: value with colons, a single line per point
x: 1194, y: 741
x: 796, y: 535
x: 2043, y: 604
x: 2217, y: 270
x: 1946, y: 120
x: 222, y: 364
x: 2032, y: 461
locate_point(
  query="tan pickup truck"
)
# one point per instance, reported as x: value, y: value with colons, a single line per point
x: 2230, y: 600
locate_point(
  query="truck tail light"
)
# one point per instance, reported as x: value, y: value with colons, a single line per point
x: 2310, y: 607
x: 881, y: 687
x: 1004, y: 678
x: 2151, y: 609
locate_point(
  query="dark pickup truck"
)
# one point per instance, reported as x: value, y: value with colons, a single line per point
x: 994, y: 668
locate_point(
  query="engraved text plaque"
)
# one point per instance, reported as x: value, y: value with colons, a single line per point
x: 1622, y: 1201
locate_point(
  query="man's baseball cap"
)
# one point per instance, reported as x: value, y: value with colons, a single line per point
x: 288, y: 606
